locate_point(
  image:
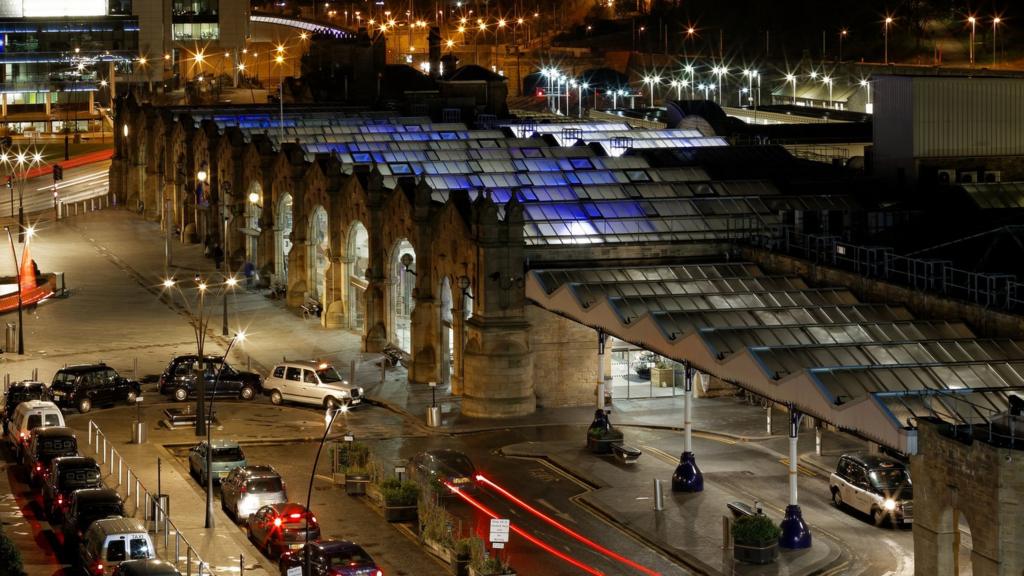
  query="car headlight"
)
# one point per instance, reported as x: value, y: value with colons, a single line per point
x: 889, y: 504
x: 344, y: 393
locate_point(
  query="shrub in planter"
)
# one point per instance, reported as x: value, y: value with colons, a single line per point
x: 356, y: 458
x: 400, y: 500
x: 10, y: 557
x: 483, y: 564
x: 463, y: 555
x: 755, y: 539
x: 435, y: 530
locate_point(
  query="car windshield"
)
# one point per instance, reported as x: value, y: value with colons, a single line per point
x: 100, y: 510
x: 79, y: 477
x: 889, y: 478
x: 19, y: 395
x: 260, y: 485
x: 353, y: 555
x: 37, y: 420
x: 231, y: 454
x: 328, y: 375
x: 455, y: 463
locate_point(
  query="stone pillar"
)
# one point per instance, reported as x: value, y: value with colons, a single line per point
x: 938, y: 559
x: 334, y: 296
x: 426, y: 316
x: 459, y: 336
x: 152, y: 196
x: 499, y: 368
x: 298, y: 271
x: 375, y: 332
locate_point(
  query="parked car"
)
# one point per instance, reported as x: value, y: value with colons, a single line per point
x: 227, y: 455
x: 21, y: 392
x: 277, y: 528
x: 330, y: 558
x: 86, y: 507
x: 68, y: 474
x: 876, y: 485
x: 82, y: 387
x: 178, y: 380
x: 309, y: 382
x: 45, y: 445
x: 435, y: 466
x: 28, y: 416
x: 150, y: 567
x: 110, y: 541
x: 248, y: 488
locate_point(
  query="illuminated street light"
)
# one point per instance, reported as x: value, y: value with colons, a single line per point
x: 974, y: 22
x: 995, y: 46
x: 792, y: 79
x: 888, y: 22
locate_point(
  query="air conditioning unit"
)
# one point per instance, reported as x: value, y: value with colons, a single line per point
x: 968, y: 178
x: 947, y: 176
x: 993, y: 176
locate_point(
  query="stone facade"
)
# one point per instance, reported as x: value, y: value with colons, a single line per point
x: 564, y: 359
x: 978, y: 483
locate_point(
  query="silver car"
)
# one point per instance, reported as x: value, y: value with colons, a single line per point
x: 247, y: 489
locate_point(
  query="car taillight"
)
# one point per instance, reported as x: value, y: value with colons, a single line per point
x: 39, y: 467
x: 242, y: 490
x: 277, y: 522
x: 379, y: 573
x: 60, y: 500
x: 97, y: 568
x: 24, y: 435
x: 294, y: 516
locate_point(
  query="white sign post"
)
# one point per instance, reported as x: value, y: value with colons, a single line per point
x: 499, y: 532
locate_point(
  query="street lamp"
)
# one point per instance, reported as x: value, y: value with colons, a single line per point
x: 842, y: 35
x: 239, y: 337
x: 867, y: 86
x: 974, y: 22
x: 21, y: 330
x: 995, y: 46
x: 792, y: 79
x: 583, y: 86
x: 329, y: 417
x: 828, y: 81
x: 888, y: 22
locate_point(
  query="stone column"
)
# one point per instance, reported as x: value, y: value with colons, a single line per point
x: 459, y: 337
x: 426, y: 316
x: 298, y: 270
x: 334, y: 296
x: 375, y: 331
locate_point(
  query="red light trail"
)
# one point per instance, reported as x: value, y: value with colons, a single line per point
x: 565, y: 529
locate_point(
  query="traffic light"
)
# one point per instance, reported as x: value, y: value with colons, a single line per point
x: 10, y: 182
x: 58, y: 172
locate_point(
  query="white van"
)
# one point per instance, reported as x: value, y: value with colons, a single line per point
x: 110, y: 541
x: 29, y: 415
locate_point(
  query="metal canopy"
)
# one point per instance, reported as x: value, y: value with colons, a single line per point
x: 869, y: 369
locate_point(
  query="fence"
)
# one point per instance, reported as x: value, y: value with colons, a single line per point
x: 154, y: 514
x: 1001, y: 291
x: 88, y: 205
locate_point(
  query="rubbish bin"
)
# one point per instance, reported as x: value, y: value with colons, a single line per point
x: 11, y: 337
x: 138, y: 431
x: 433, y: 416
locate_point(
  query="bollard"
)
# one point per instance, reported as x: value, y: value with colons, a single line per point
x: 659, y: 498
x: 188, y: 561
x: 726, y: 532
x: 241, y: 565
x: 35, y: 374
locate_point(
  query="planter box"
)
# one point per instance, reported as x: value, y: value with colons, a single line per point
x: 764, y: 554
x: 663, y: 377
x: 356, y: 485
x: 460, y: 566
x: 439, y: 550
x: 373, y: 493
x: 400, y: 513
x: 473, y: 572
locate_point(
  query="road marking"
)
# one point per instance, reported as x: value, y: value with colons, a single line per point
x: 660, y: 454
x: 801, y: 469
x: 543, y: 475
x: 715, y: 437
x: 559, y: 513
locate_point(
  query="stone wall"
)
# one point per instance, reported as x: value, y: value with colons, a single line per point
x: 977, y: 482
x: 564, y: 359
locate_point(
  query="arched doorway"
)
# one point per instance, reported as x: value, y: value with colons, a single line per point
x: 403, y: 280
x: 358, y: 255
x: 283, y: 240
x: 251, y: 230
x: 319, y: 258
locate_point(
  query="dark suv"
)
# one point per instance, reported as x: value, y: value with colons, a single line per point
x: 82, y: 387
x: 67, y: 474
x: 86, y: 507
x: 45, y: 445
x: 179, y: 379
x: 20, y: 392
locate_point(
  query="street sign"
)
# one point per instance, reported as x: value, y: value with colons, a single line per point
x: 295, y: 571
x: 499, y: 530
x: 348, y: 438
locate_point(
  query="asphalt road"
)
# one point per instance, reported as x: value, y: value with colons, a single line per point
x: 79, y: 184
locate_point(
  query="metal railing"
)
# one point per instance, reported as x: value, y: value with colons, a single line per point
x: 1000, y: 291
x: 154, y: 514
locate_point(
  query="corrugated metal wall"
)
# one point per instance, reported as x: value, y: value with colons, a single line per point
x: 892, y: 125
x: 967, y: 117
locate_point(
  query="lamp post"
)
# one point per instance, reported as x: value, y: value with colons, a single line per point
x: 888, y: 22
x: 329, y: 418
x: 239, y: 337
x: 827, y: 80
x: 201, y: 177
x: 867, y: 86
x: 21, y: 331
x: 995, y: 46
x: 973, y: 21
x: 791, y: 78
x: 582, y: 88
x: 842, y: 35
x: 689, y: 73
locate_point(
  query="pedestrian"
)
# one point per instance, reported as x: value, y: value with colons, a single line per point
x: 218, y: 255
x: 250, y: 275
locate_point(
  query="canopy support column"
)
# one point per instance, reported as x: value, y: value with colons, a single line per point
x: 795, y: 532
x: 687, y: 477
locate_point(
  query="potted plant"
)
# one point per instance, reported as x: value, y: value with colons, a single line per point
x: 463, y: 555
x: 755, y: 539
x: 435, y: 529
x: 663, y: 374
x: 356, y: 458
x: 400, y: 498
x: 484, y: 564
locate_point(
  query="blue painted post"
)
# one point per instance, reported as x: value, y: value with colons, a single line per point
x: 795, y: 532
x: 687, y: 477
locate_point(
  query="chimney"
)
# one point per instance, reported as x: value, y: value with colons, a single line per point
x: 434, y: 51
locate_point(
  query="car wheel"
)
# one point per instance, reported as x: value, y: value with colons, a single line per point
x: 180, y: 394
x: 247, y: 393
x: 837, y: 498
x: 275, y: 397
x: 132, y: 395
x: 84, y: 405
x: 330, y: 403
x: 878, y: 516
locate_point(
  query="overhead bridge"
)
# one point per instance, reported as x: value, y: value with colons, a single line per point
x: 870, y: 369
x: 313, y: 27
